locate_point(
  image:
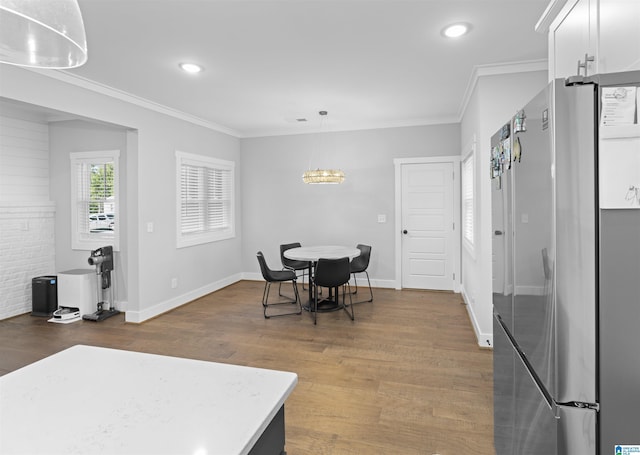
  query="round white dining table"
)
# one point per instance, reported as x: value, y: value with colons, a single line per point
x: 311, y: 254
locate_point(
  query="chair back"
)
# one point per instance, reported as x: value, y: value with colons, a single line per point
x: 332, y: 272
x: 291, y: 263
x: 264, y: 268
x: 360, y: 263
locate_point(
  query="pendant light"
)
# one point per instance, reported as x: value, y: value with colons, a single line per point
x: 42, y: 34
x: 323, y: 176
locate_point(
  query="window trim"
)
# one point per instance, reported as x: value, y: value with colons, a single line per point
x: 466, y: 172
x: 91, y: 241
x: 186, y: 240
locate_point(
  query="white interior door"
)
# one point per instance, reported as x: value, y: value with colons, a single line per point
x: 427, y: 226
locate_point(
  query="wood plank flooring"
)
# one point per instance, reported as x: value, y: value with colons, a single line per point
x: 406, y: 377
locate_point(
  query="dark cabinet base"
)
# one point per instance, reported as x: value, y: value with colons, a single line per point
x: 272, y: 440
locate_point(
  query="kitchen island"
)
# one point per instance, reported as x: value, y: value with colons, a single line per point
x: 93, y: 400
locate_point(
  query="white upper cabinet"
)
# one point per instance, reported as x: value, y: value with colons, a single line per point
x: 589, y: 37
x: 619, y: 37
x: 574, y: 41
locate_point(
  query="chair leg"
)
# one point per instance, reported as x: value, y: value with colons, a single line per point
x: 265, y: 298
x: 344, y: 303
x: 368, y: 282
x: 314, y: 308
x: 370, y: 290
x: 266, y: 304
x: 297, y: 294
x: 280, y: 285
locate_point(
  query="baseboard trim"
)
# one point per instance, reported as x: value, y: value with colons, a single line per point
x: 485, y: 340
x: 175, y: 302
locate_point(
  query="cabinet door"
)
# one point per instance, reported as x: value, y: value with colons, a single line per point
x: 573, y: 38
x: 619, y: 40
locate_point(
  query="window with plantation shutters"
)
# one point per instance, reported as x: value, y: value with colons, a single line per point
x: 204, y: 199
x: 94, y: 199
x: 468, y: 200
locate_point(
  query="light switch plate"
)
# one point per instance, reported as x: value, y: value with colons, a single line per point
x: 382, y: 218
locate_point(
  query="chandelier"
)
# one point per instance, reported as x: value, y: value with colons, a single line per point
x: 323, y: 176
x: 42, y: 34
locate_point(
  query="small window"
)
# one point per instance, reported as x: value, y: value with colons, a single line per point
x: 468, y: 199
x: 94, y: 192
x: 205, y: 199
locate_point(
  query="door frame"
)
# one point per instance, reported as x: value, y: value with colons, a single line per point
x: 398, y: 163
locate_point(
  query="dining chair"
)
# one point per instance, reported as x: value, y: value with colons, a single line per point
x: 292, y: 264
x: 277, y: 276
x: 359, y: 264
x: 332, y: 274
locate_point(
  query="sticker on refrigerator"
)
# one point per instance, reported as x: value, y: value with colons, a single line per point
x: 517, y: 150
x: 618, y: 106
x: 520, y: 122
x: 545, y: 119
x: 627, y: 450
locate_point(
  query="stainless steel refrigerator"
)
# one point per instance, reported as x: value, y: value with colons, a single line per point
x: 565, y: 176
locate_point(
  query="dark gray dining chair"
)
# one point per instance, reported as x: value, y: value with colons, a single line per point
x: 332, y: 274
x: 277, y: 276
x: 360, y: 264
x: 292, y: 264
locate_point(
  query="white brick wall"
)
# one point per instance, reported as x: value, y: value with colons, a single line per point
x: 27, y: 250
x: 27, y: 247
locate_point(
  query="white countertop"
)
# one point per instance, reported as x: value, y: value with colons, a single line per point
x: 89, y: 400
x: 313, y: 253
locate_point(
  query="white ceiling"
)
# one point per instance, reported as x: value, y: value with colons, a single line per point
x: 267, y: 63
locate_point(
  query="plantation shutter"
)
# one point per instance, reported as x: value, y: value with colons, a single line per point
x: 205, y: 199
x: 94, y: 190
x: 467, y: 198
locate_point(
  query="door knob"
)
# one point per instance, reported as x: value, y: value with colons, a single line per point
x: 405, y: 232
x: 498, y: 232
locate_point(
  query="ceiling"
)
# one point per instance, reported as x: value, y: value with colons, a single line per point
x: 370, y: 64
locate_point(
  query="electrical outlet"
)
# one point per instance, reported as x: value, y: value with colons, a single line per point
x: 174, y: 283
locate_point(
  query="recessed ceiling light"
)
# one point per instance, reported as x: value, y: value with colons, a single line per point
x: 456, y: 30
x: 190, y: 67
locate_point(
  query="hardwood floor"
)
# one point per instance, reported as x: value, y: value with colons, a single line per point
x: 406, y: 377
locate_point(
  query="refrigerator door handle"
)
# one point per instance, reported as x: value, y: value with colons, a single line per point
x: 581, y: 405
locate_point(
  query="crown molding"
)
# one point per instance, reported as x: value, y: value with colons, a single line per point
x: 495, y: 70
x: 477, y: 72
x: 550, y: 13
x: 121, y: 95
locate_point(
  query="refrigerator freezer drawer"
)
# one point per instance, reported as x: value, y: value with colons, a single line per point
x: 527, y: 423
x: 535, y: 424
x: 577, y: 431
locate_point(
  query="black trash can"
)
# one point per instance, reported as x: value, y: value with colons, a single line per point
x: 44, y: 295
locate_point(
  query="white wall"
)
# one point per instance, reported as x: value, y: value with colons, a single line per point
x: 494, y: 100
x: 70, y: 136
x: 153, y: 259
x: 279, y: 208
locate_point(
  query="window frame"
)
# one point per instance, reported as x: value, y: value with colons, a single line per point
x: 468, y: 199
x: 184, y: 240
x: 91, y: 240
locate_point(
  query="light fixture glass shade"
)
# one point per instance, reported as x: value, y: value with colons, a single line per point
x: 42, y: 33
x: 323, y: 176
